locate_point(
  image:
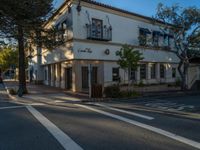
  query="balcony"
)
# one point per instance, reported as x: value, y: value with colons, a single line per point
x: 101, y: 34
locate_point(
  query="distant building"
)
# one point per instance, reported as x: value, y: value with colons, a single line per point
x: 94, y: 32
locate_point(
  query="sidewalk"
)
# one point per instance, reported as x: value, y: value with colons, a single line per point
x: 3, y: 92
x: 42, y: 92
x: 61, y: 94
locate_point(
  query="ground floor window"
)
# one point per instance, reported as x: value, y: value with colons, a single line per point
x: 132, y: 74
x: 54, y: 72
x: 115, y: 74
x: 49, y: 74
x: 85, y: 72
x: 45, y: 74
x: 162, y: 71
x: 59, y: 72
x: 36, y: 75
x: 85, y: 76
x: 143, y: 72
x: 173, y: 72
x: 153, y: 71
x: 68, y: 78
x: 94, y: 75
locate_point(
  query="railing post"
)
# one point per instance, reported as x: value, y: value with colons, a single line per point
x: 89, y: 80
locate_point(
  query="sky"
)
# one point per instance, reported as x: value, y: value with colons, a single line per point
x: 143, y: 7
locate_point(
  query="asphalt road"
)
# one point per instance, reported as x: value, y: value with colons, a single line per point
x: 187, y: 103
x: 89, y: 126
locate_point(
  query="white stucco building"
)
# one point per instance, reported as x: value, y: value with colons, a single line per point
x: 93, y: 33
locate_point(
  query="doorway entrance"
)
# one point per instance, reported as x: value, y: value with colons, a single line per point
x: 85, y: 77
x: 68, y: 78
x: 49, y: 75
x: 85, y: 72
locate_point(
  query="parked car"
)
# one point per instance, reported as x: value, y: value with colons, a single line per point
x: 9, y: 74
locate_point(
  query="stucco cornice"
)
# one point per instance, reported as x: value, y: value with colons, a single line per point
x: 106, y: 8
x: 123, y: 12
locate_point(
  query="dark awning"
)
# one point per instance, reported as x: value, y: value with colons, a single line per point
x: 145, y: 30
x: 157, y: 33
x: 195, y: 60
x: 168, y: 35
x: 195, y: 54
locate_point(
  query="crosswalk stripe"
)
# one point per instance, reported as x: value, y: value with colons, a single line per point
x: 62, y: 138
x: 126, y: 112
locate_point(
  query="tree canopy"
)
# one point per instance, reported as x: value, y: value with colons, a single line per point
x: 8, y: 58
x: 23, y: 20
x: 184, y: 25
x: 128, y: 57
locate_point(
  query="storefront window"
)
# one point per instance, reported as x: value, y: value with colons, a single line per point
x: 115, y: 74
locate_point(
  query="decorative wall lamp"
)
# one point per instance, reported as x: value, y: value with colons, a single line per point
x: 107, y: 51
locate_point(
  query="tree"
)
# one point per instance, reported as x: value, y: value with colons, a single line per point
x: 128, y: 58
x: 184, y: 25
x: 8, y: 58
x: 23, y: 21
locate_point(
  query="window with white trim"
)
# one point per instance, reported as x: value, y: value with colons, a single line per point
x: 143, y: 71
x: 153, y: 71
x: 115, y: 74
x: 162, y: 71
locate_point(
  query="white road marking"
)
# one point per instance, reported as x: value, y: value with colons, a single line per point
x: 37, y: 104
x: 59, y: 101
x: 64, y: 98
x: 62, y: 138
x: 126, y: 112
x: 147, y: 127
x: 5, y: 102
x: 11, y: 107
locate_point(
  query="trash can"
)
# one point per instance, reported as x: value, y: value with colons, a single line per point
x: 96, y: 91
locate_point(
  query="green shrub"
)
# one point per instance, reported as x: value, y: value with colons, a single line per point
x: 141, y: 84
x: 129, y: 94
x: 12, y: 91
x: 25, y: 92
x: 178, y: 82
x: 112, y: 91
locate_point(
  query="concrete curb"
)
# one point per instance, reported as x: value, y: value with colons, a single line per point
x: 184, y: 114
x: 167, y: 95
x: 9, y: 95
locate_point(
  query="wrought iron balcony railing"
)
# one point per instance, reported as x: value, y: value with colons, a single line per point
x: 96, y: 33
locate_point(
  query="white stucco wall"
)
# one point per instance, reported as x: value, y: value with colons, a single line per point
x: 124, y: 29
x: 57, y: 55
x: 98, y: 52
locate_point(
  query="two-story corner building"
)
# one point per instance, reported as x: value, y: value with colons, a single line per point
x: 93, y: 33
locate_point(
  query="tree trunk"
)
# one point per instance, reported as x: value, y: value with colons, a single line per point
x: 22, y: 74
x: 183, y: 74
x: 185, y: 86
